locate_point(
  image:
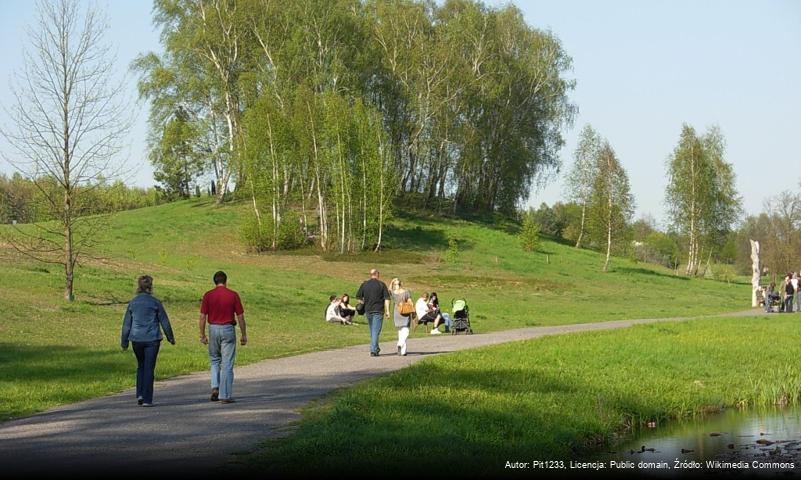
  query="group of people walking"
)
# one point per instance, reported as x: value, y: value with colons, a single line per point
x: 221, y: 309
x: 145, y: 318
x: 788, y: 294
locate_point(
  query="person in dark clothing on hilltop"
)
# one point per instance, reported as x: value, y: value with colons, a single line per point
x: 375, y: 296
x: 140, y: 326
x: 222, y: 308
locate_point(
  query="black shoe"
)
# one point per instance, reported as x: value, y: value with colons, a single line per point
x: 227, y: 400
x: 373, y: 354
x: 140, y: 401
x: 215, y: 394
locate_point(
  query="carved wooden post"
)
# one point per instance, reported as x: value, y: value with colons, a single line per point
x: 756, y: 272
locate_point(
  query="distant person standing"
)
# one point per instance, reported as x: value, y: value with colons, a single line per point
x: 140, y: 326
x: 222, y: 308
x: 797, y: 286
x: 789, y: 293
x: 375, y: 296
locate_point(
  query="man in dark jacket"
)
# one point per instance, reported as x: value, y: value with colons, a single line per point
x: 375, y: 296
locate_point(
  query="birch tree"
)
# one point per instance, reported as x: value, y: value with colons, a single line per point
x: 612, y: 204
x: 702, y: 200
x: 69, y: 121
x: 581, y: 178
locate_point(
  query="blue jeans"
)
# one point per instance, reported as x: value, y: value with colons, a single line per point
x: 375, y: 320
x: 788, y: 304
x: 222, y: 352
x: 798, y: 302
x: 146, y: 354
x: 447, y: 319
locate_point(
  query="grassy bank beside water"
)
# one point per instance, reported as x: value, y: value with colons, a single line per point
x: 550, y: 398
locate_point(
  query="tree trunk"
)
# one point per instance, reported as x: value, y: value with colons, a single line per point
x: 608, y: 235
x: 380, y: 201
x: 581, y: 230
x: 255, y: 206
x: 756, y: 272
x: 69, y: 253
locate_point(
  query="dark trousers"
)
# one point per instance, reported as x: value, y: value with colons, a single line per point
x: 146, y: 353
x: 788, y: 304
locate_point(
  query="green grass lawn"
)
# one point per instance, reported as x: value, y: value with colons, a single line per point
x: 551, y: 398
x: 53, y: 353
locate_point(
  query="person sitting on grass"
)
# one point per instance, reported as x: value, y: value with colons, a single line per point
x: 433, y: 300
x: 332, y: 311
x: 345, y: 310
x: 426, y: 313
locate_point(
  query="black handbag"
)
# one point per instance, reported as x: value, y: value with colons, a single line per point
x: 360, y: 308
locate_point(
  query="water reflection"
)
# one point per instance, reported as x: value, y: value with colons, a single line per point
x: 770, y: 440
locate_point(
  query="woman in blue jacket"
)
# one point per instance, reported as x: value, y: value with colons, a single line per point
x: 140, y: 326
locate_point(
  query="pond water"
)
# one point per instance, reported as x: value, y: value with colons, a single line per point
x: 767, y: 441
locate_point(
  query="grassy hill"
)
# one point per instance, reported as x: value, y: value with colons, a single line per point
x: 53, y: 353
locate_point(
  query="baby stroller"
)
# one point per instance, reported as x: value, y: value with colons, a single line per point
x: 461, y: 317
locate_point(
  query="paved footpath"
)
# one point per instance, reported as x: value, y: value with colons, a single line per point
x: 185, y: 433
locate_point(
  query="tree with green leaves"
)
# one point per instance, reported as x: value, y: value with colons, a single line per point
x: 581, y: 178
x: 611, y: 204
x: 530, y: 231
x: 469, y: 100
x: 701, y: 197
x: 200, y: 71
x: 176, y: 161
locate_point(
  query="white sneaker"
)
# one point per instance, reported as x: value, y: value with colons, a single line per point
x: 403, y: 350
x: 435, y: 332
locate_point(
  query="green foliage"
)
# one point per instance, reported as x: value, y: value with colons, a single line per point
x: 701, y: 197
x: 290, y: 233
x: 22, y: 201
x: 326, y: 147
x: 470, y: 99
x: 611, y: 205
x: 254, y: 235
x: 452, y: 254
x: 580, y: 180
x: 176, y: 162
x: 530, y: 232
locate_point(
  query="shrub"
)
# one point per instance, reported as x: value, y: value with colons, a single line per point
x: 530, y: 233
x: 290, y: 233
x: 253, y: 235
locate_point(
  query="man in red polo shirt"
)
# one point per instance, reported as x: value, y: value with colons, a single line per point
x: 222, y: 308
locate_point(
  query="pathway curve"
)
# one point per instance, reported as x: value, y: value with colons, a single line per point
x: 185, y: 433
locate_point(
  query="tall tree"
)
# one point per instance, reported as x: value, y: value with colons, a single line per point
x: 581, y: 179
x: 69, y: 125
x: 612, y: 204
x: 177, y: 162
x: 701, y: 197
x: 200, y: 71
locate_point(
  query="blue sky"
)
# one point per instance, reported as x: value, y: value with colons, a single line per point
x: 641, y: 68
